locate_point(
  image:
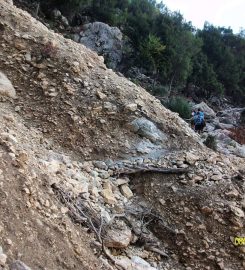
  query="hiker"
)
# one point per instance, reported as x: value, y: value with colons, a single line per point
x: 193, y: 113
x: 202, y: 118
x: 199, y: 121
x: 201, y: 113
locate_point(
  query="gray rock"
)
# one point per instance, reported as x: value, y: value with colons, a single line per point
x: 64, y: 21
x: 224, y: 126
x: 105, y: 40
x: 126, y: 191
x: 56, y: 14
x: 76, y: 38
x: 100, y: 165
x: 209, y: 113
x: 240, y: 151
x: 226, y: 120
x: 19, y: 265
x: 147, y: 129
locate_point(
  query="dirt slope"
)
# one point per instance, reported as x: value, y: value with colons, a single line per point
x: 70, y: 111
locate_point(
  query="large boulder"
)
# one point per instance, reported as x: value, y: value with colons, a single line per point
x: 147, y: 129
x: 209, y: 113
x: 104, y: 40
x: 231, y: 116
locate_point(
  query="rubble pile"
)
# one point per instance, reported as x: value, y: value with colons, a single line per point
x: 96, y: 174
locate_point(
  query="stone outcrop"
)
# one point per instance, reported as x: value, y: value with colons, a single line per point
x: 209, y: 113
x: 147, y: 129
x: 103, y: 39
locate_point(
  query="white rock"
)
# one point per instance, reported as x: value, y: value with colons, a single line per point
x: 53, y: 166
x: 136, y: 263
x: 3, y: 259
x: 108, y: 196
x: 117, y: 238
x: 6, y: 87
x: 8, y: 137
x: 121, y: 181
x: 126, y: 191
x: 209, y: 113
x: 237, y: 211
x: 131, y: 107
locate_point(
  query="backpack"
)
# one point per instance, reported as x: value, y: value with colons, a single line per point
x: 198, y: 119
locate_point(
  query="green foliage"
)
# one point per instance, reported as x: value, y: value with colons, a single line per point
x: 169, y: 48
x: 204, y: 76
x: 180, y: 105
x: 151, y: 53
x: 211, y: 142
x: 181, y: 46
x: 160, y: 90
x: 226, y: 53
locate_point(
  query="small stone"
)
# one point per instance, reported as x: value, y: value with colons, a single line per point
x: 207, y: 210
x: 198, y: 178
x: 117, y: 238
x: 216, y: 177
x: 126, y: 191
x: 162, y: 202
x: 101, y: 95
x: 9, y: 242
x: 108, y: 196
x: 233, y: 193
x: 237, y: 211
x: 131, y: 107
x: 121, y: 181
x: 100, y: 165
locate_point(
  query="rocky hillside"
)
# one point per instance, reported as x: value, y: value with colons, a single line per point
x: 96, y: 174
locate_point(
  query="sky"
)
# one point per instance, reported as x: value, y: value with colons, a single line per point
x: 217, y: 12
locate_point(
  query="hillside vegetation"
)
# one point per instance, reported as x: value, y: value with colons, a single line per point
x: 167, y: 47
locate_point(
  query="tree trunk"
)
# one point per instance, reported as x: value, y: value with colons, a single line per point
x: 171, y: 83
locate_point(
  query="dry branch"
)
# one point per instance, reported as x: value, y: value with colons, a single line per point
x: 86, y: 215
x: 151, y: 169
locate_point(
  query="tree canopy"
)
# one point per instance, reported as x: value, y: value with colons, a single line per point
x: 170, y: 49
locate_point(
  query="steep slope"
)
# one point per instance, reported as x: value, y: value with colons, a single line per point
x: 59, y: 85
x: 68, y: 141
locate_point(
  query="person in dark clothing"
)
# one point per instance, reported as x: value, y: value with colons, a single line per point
x: 198, y: 122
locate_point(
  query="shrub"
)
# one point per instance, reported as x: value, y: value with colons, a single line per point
x: 160, y: 90
x: 211, y: 142
x: 180, y: 105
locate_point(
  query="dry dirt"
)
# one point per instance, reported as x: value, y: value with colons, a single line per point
x: 70, y: 110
